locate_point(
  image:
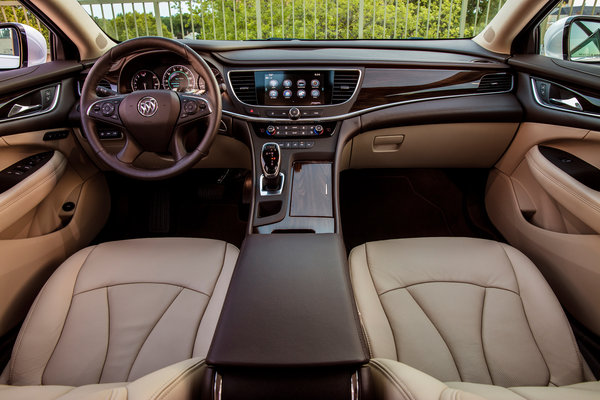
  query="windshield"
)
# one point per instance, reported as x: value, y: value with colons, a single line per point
x: 293, y: 19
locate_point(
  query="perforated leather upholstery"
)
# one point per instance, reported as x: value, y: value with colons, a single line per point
x: 464, y: 310
x: 119, y: 311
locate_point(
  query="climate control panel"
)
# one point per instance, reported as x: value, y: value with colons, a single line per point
x: 287, y: 130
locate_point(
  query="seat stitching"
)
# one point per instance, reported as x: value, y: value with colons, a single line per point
x: 518, y: 394
x: 525, y: 313
x: 438, y: 331
x: 209, y: 299
x: 142, y: 283
x: 563, y: 317
x: 436, y: 281
x: 107, y: 335
x: 481, y: 333
x: 393, y: 378
x: 68, y: 312
x: 381, y: 303
x: 360, y: 317
x: 151, y: 330
x: 167, y: 386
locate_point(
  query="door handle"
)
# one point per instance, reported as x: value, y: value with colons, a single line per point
x: 18, y: 109
x: 572, y: 103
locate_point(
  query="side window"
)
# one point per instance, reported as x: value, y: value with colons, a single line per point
x: 24, y: 39
x: 572, y: 32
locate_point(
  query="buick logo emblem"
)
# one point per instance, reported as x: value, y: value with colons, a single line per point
x: 148, y: 106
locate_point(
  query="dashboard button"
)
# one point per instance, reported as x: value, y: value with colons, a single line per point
x: 251, y: 111
x: 294, y: 113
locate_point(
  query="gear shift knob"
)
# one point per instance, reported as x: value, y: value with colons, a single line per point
x: 270, y: 160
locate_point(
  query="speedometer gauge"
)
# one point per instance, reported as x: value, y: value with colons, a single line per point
x: 179, y: 78
x: 145, y: 80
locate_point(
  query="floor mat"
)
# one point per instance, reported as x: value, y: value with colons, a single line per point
x: 198, y: 203
x: 392, y: 203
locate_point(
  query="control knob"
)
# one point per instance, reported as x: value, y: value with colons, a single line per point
x: 294, y: 113
x: 270, y: 130
x: 318, y: 130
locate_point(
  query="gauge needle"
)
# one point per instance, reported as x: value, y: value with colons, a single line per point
x: 145, y: 86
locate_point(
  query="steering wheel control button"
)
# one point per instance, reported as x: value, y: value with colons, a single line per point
x: 108, y: 109
x: 294, y: 113
x: 105, y: 110
x: 147, y: 106
x: 190, y: 107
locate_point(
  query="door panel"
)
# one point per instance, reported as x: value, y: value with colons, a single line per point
x: 58, y: 208
x: 547, y: 214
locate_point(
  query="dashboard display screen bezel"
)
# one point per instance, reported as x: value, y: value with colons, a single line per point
x: 265, y: 84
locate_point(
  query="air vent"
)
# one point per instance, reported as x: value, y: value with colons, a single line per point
x: 244, y: 87
x: 495, y: 83
x: 105, y: 84
x: 344, y: 84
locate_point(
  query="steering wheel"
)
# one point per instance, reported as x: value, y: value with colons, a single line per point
x: 151, y: 120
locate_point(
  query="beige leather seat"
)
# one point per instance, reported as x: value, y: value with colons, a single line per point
x: 131, y: 319
x: 472, y: 313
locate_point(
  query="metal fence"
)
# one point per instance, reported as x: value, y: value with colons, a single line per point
x: 301, y: 19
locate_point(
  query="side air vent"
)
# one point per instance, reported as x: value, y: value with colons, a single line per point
x: 244, y: 87
x: 344, y: 84
x: 105, y: 84
x: 495, y: 83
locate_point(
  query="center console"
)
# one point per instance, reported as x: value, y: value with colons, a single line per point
x: 289, y: 328
x: 293, y: 115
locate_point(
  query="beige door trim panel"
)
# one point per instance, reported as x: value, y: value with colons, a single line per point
x: 27, y: 194
x: 568, y: 261
x: 580, y: 200
x: 28, y: 262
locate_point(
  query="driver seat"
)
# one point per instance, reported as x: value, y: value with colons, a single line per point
x: 123, y: 320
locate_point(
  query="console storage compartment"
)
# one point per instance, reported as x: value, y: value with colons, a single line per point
x: 289, y: 316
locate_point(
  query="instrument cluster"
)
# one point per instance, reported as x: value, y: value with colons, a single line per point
x: 154, y: 71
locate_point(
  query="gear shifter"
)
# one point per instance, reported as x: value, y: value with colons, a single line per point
x: 270, y: 161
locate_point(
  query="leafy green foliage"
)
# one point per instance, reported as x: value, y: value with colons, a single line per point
x: 299, y: 19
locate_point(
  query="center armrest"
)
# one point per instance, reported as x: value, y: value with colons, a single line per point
x: 289, y: 303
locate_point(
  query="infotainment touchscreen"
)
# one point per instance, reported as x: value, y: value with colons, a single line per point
x: 293, y: 88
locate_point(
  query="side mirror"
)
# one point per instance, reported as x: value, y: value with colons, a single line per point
x: 575, y: 38
x: 21, y: 46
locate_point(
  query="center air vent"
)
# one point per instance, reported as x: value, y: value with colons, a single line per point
x: 243, y: 86
x: 344, y: 84
x: 495, y: 83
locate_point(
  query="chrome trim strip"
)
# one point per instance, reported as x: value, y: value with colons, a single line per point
x: 35, y: 114
x: 358, y: 84
x: 355, y: 113
x: 550, y: 106
x: 218, y: 386
x: 271, y: 192
x: 354, y: 386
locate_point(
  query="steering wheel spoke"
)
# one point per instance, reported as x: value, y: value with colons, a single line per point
x: 193, y: 108
x: 130, y: 151
x: 106, y: 109
x: 177, y: 147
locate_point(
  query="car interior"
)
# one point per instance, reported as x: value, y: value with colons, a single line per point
x: 186, y: 217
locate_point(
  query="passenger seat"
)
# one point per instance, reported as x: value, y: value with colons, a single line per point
x: 459, y: 318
